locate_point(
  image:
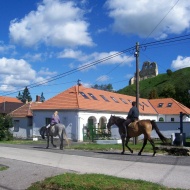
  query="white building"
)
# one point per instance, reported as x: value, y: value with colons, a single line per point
x: 79, y: 106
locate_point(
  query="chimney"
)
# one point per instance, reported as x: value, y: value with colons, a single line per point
x: 37, y: 98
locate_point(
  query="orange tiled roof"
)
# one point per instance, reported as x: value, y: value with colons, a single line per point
x: 73, y: 99
x: 8, y: 99
x: 8, y: 104
x: 168, y: 106
x: 24, y: 111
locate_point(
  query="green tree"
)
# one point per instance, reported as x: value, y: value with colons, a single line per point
x: 169, y: 72
x: 25, y: 96
x: 19, y: 97
x: 5, y: 124
x: 106, y: 87
x: 168, y: 91
x: 153, y: 94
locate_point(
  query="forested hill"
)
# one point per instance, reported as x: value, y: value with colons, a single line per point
x: 169, y: 85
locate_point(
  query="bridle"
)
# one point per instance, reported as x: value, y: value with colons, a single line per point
x: 110, y: 123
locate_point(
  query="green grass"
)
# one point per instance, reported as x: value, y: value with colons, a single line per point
x: 72, y: 181
x: 24, y: 141
x: 90, y: 145
x: 2, y: 168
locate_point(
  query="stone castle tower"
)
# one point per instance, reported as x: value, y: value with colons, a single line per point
x: 149, y: 70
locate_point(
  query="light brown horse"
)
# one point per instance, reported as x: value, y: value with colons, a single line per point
x: 144, y: 127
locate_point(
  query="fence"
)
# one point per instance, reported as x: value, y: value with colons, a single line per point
x: 92, y: 133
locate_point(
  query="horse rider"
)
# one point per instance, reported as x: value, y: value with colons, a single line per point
x: 132, y: 116
x: 54, y: 119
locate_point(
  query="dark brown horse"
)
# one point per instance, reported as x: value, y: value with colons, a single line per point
x: 137, y: 128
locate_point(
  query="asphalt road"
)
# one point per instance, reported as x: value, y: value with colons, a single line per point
x: 31, y: 163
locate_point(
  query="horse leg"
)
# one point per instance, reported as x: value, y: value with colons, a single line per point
x: 153, y: 146
x: 52, y: 142
x: 144, y: 144
x: 61, y: 140
x: 47, y: 141
x: 123, y: 144
x: 126, y: 144
x: 61, y: 144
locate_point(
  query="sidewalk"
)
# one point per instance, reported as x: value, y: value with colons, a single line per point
x: 26, y: 166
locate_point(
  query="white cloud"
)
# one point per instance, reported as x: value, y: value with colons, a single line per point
x: 180, y: 62
x: 141, y: 17
x: 87, y: 85
x: 129, y: 76
x: 70, y: 53
x: 55, y: 23
x: 96, y: 58
x: 46, y: 72
x: 16, y: 73
x: 103, y: 78
x: 6, y: 48
x: 102, y: 30
x: 33, y: 57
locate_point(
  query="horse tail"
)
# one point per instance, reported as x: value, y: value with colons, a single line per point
x: 161, y: 136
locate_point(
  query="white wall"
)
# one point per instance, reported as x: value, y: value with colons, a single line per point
x: 67, y: 118
x: 24, y: 131
x: 83, y: 117
x: 76, y: 120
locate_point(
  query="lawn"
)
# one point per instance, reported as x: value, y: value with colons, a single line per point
x: 72, y: 181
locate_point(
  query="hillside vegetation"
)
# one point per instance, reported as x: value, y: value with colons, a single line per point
x: 169, y: 85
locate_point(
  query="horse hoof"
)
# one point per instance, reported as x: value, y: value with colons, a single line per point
x: 154, y: 154
x: 122, y: 152
x: 47, y: 147
x: 139, y: 153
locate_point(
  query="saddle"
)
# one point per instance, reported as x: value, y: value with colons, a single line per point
x: 132, y: 124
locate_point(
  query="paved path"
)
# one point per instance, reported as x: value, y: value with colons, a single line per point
x: 30, y: 165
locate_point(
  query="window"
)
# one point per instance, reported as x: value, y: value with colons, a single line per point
x: 84, y: 95
x: 160, y: 105
x: 172, y: 119
x: 169, y: 104
x: 123, y: 100
x: 47, y: 121
x: 114, y: 99
x: 16, y: 125
x: 30, y: 123
x: 104, y: 98
x: 91, y: 95
x: 161, y: 119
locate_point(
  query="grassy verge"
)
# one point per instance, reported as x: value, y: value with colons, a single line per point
x: 72, y: 181
x: 3, y: 168
x: 90, y: 145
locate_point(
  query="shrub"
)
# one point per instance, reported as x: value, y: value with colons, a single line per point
x: 5, y: 124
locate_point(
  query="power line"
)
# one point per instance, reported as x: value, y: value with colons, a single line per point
x: 161, y: 20
x: 145, y: 45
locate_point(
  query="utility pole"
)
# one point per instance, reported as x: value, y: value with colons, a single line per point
x: 137, y: 80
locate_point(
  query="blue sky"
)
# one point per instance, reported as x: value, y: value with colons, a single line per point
x: 48, y: 45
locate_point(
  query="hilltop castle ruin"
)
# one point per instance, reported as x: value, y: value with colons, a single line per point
x: 149, y: 70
